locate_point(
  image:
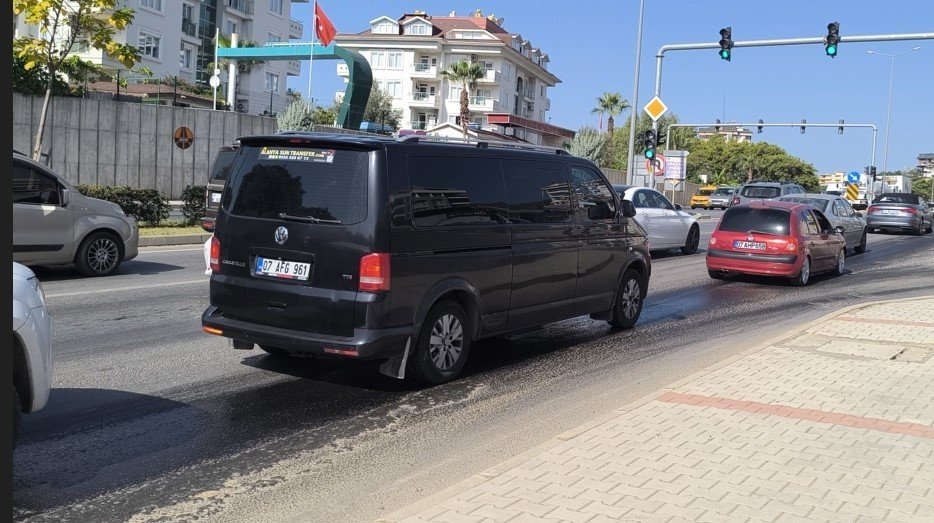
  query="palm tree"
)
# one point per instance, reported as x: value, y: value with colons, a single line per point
x: 466, y: 74
x: 612, y: 104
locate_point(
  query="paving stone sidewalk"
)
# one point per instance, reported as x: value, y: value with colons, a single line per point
x: 833, y: 421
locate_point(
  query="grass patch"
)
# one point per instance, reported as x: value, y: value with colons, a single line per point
x: 170, y: 230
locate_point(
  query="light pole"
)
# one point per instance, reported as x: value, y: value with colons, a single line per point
x: 888, y: 118
x: 630, y: 164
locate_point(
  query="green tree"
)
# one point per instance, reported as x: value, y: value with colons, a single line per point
x: 682, y: 138
x: 465, y: 74
x: 297, y: 116
x: 589, y: 143
x: 91, y: 23
x: 612, y: 105
x: 379, y: 109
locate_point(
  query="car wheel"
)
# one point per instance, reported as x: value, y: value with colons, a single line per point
x: 841, y: 262
x: 629, y: 300
x: 276, y: 351
x: 920, y: 229
x: 804, y: 276
x: 930, y: 228
x: 693, y: 239
x: 99, y: 254
x: 861, y: 248
x: 693, y: 207
x: 722, y: 208
x: 442, y: 346
x: 17, y: 415
x: 717, y: 275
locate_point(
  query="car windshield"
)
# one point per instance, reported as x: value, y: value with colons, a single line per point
x: 318, y: 184
x: 745, y: 219
x: 723, y: 192
x: 754, y: 191
x: 911, y: 199
x: 704, y: 192
x: 819, y: 203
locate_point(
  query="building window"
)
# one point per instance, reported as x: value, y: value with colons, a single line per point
x: 378, y: 59
x: 543, y: 91
x: 504, y: 96
x: 507, y: 69
x: 273, y: 37
x: 455, y: 92
x: 394, y: 88
x: 385, y: 28
x: 232, y: 27
x: 272, y: 82
x: 188, y: 12
x: 149, y: 45
x: 184, y: 58
x: 417, y: 29
x: 395, y: 60
x: 155, y: 5
x: 275, y: 6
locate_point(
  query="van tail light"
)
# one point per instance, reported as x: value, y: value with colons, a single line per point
x: 215, y: 255
x: 375, y: 272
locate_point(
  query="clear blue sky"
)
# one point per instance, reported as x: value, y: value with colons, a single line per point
x: 592, y: 48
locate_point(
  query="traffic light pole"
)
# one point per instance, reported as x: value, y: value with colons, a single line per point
x: 875, y: 132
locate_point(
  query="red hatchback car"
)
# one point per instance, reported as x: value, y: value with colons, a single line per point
x: 775, y: 238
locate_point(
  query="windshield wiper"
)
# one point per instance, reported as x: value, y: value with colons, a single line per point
x: 311, y: 219
x: 753, y: 231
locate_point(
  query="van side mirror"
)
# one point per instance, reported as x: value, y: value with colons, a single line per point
x: 599, y: 211
x: 629, y: 210
x: 66, y: 197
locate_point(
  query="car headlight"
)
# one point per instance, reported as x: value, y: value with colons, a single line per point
x: 37, y: 286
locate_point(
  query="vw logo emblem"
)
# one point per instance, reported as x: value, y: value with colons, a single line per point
x: 282, y: 235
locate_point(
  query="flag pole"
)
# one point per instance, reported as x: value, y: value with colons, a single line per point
x: 311, y: 56
x: 216, y: 71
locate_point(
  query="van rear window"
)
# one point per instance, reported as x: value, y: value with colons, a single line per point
x: 745, y: 219
x: 222, y: 165
x: 324, y: 184
x: 761, y: 192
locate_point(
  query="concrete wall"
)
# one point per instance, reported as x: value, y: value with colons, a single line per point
x: 103, y: 142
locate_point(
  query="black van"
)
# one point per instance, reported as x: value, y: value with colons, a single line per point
x: 215, y: 187
x: 408, y: 250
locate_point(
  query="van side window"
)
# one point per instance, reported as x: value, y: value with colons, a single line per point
x: 590, y: 189
x: 457, y: 191
x: 537, y: 192
x: 33, y: 187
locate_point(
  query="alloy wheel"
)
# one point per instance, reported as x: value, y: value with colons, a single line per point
x: 446, y: 342
x: 631, y: 298
x: 103, y: 255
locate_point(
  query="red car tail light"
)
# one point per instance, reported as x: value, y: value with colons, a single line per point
x: 215, y: 255
x: 909, y: 210
x: 872, y: 209
x: 375, y: 272
x: 713, y: 240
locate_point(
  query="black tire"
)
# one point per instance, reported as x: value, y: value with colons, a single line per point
x: 803, y: 277
x: 693, y: 207
x: 629, y: 299
x: 930, y: 228
x: 276, y: 351
x: 722, y: 208
x: 840, y: 266
x: 861, y: 248
x: 920, y: 230
x: 717, y: 275
x: 442, y: 346
x: 692, y: 241
x: 17, y: 415
x: 100, y: 254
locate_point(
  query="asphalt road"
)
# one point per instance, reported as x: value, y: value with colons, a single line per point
x: 151, y: 419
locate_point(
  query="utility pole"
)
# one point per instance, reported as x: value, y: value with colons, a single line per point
x: 631, y: 161
x: 888, y: 117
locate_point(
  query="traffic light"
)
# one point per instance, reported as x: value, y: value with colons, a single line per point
x: 840, y: 129
x: 651, y: 140
x: 832, y: 40
x: 803, y: 122
x: 759, y: 129
x: 726, y: 43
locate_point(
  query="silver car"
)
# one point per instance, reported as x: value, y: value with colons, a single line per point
x: 722, y: 197
x: 842, y: 216
x: 756, y: 191
x: 32, y: 345
x: 667, y: 226
x: 901, y: 211
x: 54, y: 224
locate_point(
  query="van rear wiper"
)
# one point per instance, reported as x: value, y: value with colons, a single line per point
x: 311, y: 219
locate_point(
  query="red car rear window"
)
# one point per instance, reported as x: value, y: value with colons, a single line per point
x: 745, y: 219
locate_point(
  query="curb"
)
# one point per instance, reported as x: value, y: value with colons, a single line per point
x: 178, y: 239
x: 494, y: 471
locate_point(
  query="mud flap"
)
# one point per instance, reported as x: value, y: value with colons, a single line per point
x: 240, y: 344
x: 394, y: 367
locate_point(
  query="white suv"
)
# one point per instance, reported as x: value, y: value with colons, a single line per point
x: 32, y: 345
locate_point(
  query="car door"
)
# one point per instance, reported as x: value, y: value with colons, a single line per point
x: 603, y: 247
x: 43, y: 226
x: 810, y: 235
x: 676, y: 223
x: 853, y: 230
x: 651, y: 218
x: 827, y: 241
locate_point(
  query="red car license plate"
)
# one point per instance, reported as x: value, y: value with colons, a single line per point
x: 756, y: 246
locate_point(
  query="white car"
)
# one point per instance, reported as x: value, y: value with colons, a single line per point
x: 668, y: 227
x: 32, y: 345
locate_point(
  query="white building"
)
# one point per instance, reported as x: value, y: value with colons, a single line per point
x: 408, y: 54
x: 176, y: 38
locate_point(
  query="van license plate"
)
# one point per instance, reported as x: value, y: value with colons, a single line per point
x: 284, y: 269
x: 757, y: 246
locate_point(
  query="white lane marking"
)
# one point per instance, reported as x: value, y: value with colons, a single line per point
x: 129, y: 288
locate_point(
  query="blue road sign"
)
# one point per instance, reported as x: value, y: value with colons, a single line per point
x: 853, y: 177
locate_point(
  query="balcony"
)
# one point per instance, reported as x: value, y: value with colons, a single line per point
x: 418, y: 125
x: 492, y: 77
x: 421, y: 70
x: 296, y: 29
x: 481, y: 103
x: 189, y: 28
x: 241, y: 6
x: 420, y: 99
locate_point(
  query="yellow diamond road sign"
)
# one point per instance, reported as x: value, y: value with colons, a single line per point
x: 655, y: 108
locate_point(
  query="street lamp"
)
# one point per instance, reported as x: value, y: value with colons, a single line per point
x: 888, y: 118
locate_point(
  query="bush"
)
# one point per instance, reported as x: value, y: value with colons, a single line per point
x: 193, y: 203
x: 146, y: 205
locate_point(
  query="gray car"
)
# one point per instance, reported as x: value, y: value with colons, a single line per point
x: 758, y: 191
x: 722, y: 197
x: 900, y: 211
x: 848, y: 222
x: 54, y: 224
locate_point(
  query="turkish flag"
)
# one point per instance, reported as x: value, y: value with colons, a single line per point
x: 324, y: 29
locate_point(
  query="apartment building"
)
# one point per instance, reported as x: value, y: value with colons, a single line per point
x: 176, y: 38
x: 926, y: 164
x: 730, y: 132
x: 408, y: 54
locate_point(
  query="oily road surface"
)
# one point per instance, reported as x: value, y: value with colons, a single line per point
x: 151, y: 419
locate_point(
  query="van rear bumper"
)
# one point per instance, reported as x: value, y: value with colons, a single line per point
x: 365, y: 344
